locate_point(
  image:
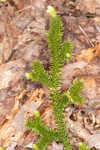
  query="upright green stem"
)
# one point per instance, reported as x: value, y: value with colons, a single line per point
x: 60, y: 52
x: 58, y: 111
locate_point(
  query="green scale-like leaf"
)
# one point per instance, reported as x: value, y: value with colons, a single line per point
x: 83, y: 146
x: 38, y: 126
x: 59, y: 53
x: 55, y: 45
x: 39, y: 74
x: 66, y: 51
x: 74, y: 92
x: 55, y: 37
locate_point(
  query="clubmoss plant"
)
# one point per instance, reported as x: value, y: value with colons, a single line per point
x: 83, y: 146
x: 1, y: 148
x: 60, y: 52
x: 2, y: 0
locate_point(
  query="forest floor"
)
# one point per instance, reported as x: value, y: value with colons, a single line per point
x: 23, y: 27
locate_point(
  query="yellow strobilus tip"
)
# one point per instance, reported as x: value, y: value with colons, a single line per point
x: 51, y: 11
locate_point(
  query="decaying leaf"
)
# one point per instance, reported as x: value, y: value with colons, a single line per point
x: 48, y: 117
x: 14, y: 109
x: 94, y: 140
x: 13, y: 129
x: 56, y: 146
x: 89, y: 54
x: 89, y: 82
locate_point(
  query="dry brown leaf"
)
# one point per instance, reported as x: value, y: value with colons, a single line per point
x: 89, y: 82
x: 90, y: 5
x: 37, y: 95
x: 48, y: 117
x: 77, y: 128
x: 94, y: 140
x: 13, y: 129
x: 56, y: 146
x: 17, y: 3
x: 14, y: 109
x: 89, y: 54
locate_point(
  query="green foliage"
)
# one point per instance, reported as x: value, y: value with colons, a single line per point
x: 65, y: 100
x: 1, y: 148
x: 39, y: 74
x: 67, y: 51
x: 74, y: 92
x: 55, y: 46
x: 39, y: 127
x: 2, y: 0
x: 46, y: 134
x: 83, y: 146
x: 59, y: 53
